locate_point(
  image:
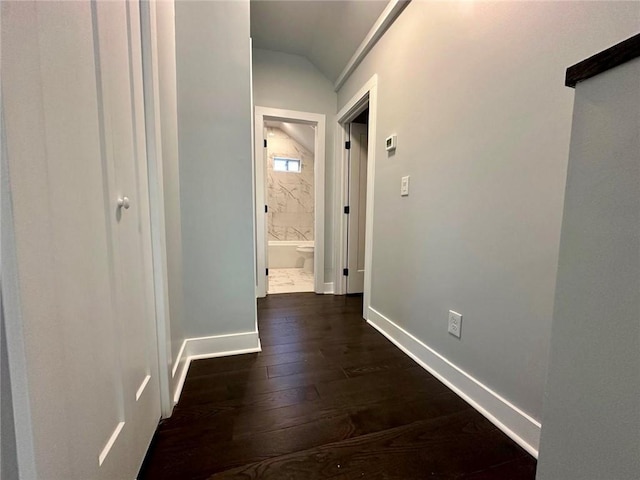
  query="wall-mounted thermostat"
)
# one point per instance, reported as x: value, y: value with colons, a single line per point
x: 390, y: 143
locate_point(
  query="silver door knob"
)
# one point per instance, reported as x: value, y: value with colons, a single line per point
x: 123, y: 202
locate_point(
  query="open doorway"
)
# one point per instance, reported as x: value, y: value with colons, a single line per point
x: 290, y: 206
x: 354, y: 181
x: 289, y: 172
x: 356, y: 201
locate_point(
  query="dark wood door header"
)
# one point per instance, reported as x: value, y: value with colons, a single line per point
x: 603, y: 61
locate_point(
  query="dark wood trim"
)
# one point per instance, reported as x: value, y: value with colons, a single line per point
x: 603, y: 61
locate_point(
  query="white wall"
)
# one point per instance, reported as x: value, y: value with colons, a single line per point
x: 291, y: 82
x: 214, y: 139
x: 591, y: 426
x: 475, y: 93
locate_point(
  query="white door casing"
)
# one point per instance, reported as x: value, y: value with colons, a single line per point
x: 264, y: 239
x: 367, y: 95
x: 357, y: 207
x: 262, y: 113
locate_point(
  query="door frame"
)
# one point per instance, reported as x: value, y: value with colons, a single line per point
x: 367, y: 95
x: 22, y: 438
x: 153, y: 140
x: 267, y: 113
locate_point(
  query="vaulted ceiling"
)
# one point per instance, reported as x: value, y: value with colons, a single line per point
x: 326, y: 32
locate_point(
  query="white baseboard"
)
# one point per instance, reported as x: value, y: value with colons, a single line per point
x: 519, y: 426
x: 180, y: 358
x: 328, y: 288
x: 211, y: 347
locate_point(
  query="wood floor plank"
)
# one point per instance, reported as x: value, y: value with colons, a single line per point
x: 192, y: 411
x: 367, y: 413
x: 328, y: 397
x: 295, y: 368
x: 252, y: 361
x: 247, y: 372
x: 284, y: 382
x: 524, y: 468
x: 419, y: 450
x: 322, y: 336
x: 398, y: 382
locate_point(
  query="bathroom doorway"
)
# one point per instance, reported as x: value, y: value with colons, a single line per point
x: 289, y: 173
x: 290, y: 206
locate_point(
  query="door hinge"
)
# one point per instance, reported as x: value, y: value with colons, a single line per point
x: 345, y: 272
x: 347, y: 145
x: 266, y: 209
x: 265, y: 143
x: 346, y: 209
x: 266, y: 271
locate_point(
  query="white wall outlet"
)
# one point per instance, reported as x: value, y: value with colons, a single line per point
x: 455, y: 323
x: 404, y: 186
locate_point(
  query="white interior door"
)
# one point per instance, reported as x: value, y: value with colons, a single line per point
x: 118, y: 25
x: 357, y: 207
x: 72, y: 104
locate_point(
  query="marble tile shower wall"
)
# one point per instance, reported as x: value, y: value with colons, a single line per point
x: 289, y: 194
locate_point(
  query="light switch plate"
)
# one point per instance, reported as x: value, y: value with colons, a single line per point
x: 455, y: 323
x: 404, y: 186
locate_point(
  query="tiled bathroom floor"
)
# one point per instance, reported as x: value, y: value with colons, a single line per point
x: 289, y: 280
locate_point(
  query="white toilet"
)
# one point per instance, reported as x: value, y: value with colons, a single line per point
x: 307, y: 253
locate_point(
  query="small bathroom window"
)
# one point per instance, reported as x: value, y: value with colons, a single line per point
x: 286, y: 164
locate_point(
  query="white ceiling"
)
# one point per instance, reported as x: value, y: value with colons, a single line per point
x: 326, y: 32
x: 304, y: 134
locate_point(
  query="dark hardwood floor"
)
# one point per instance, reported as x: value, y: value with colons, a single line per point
x: 328, y: 397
